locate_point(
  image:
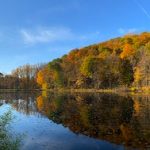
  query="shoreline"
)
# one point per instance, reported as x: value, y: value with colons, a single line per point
x: 113, y: 90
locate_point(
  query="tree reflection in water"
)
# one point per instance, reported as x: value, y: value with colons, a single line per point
x: 104, y: 116
x: 120, y: 119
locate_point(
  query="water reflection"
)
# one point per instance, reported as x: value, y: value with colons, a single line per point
x: 119, y: 119
x: 22, y: 102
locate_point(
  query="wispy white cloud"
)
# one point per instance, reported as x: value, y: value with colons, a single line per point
x: 127, y: 30
x: 55, y: 34
x: 44, y: 35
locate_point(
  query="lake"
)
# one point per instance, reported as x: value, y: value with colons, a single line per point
x: 79, y: 121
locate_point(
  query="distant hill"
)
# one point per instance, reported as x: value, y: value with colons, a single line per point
x: 119, y: 62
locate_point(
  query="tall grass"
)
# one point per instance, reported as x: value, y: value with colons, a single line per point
x: 8, y: 141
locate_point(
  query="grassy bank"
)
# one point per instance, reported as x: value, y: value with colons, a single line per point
x: 145, y: 89
x: 86, y: 90
x: 112, y: 90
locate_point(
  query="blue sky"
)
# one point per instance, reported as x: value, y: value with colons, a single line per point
x: 35, y: 31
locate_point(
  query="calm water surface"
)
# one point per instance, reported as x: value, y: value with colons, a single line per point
x: 54, y: 121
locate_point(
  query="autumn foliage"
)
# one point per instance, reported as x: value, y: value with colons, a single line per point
x: 123, y: 61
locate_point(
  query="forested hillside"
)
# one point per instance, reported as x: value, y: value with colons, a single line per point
x: 119, y: 62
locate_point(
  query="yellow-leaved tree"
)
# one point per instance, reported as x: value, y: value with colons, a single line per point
x: 138, y: 76
x: 128, y: 50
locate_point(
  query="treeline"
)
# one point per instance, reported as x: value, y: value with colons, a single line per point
x: 119, y: 62
x: 23, y: 77
x: 122, y: 61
